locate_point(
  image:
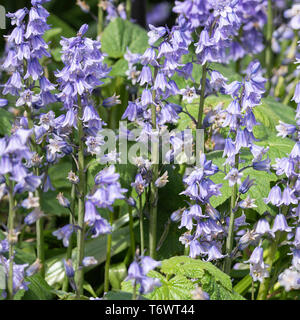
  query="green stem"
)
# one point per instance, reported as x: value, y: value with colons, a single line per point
x: 40, y: 244
x: 264, y: 286
x: 70, y: 247
x: 153, y: 191
x: 108, y: 256
x: 153, y: 188
x: 100, y: 20
x: 134, y: 291
x: 132, y: 240
x: 141, y: 225
x: 269, y: 46
x: 229, y: 240
x: 11, y: 217
x: 252, y: 290
x: 128, y: 9
x: 79, y: 272
x: 202, y: 96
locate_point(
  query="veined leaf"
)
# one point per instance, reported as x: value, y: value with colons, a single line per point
x: 119, y: 35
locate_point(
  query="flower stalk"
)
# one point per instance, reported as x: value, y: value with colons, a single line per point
x: 202, y: 97
x: 108, y: 255
x: 79, y: 274
x: 264, y: 286
x: 229, y: 240
x: 141, y: 225
x: 269, y: 47
x: 11, y: 217
x: 153, y: 191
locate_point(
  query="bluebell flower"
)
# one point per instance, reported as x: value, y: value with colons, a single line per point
x: 280, y: 224
x: 274, y: 196
x: 65, y: 233
x: 137, y: 272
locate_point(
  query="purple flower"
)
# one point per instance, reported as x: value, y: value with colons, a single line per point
x: 137, y: 272
x: 274, y: 196
x: 64, y: 233
x: 155, y: 33
x: 280, y: 224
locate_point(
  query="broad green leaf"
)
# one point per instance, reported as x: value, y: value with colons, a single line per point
x: 117, y: 273
x: 52, y: 33
x: 38, y: 289
x: 177, y: 288
x: 56, y: 22
x: 242, y: 286
x: 119, y: 35
x: 195, y: 268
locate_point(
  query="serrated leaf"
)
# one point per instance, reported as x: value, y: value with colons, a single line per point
x: 194, y: 268
x: 119, y: 35
x: 177, y: 288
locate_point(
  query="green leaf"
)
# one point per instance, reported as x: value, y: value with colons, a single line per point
x: 118, y: 295
x: 177, y: 288
x: 195, y: 268
x: 58, y: 23
x: 242, y: 286
x: 257, y: 192
x: 117, y: 273
x: 38, y: 289
x: 62, y: 295
x: 52, y: 33
x: 6, y: 119
x: 119, y: 35
x: 89, y: 289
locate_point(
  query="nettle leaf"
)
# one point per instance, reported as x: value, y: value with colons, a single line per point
x: 176, y: 288
x: 195, y: 268
x: 183, y: 275
x: 119, y: 35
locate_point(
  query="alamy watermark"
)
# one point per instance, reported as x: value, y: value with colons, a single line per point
x: 2, y: 17
x: 158, y: 146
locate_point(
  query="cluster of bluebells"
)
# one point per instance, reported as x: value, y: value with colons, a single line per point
x: 137, y: 273
x: 231, y: 29
x: 107, y: 191
x: 159, y: 64
x: 205, y: 231
x: 285, y: 196
x: 25, y: 48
